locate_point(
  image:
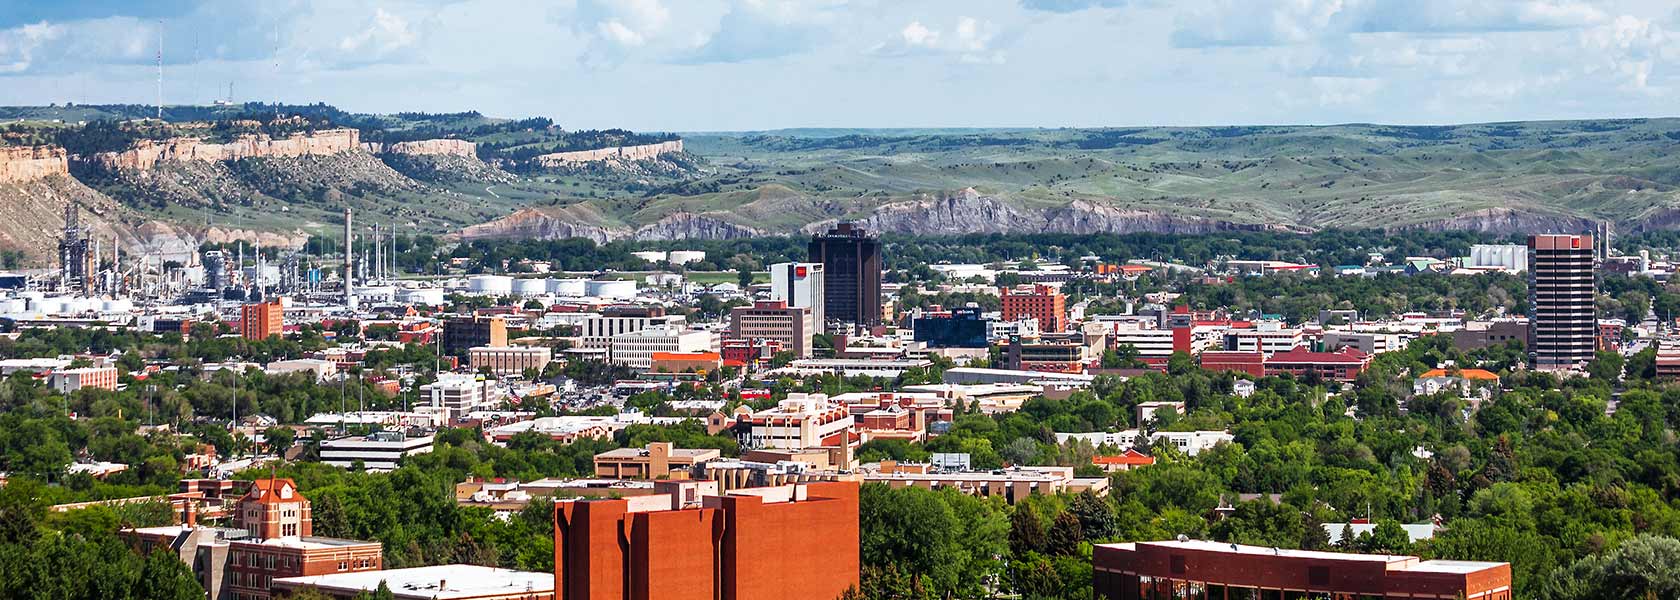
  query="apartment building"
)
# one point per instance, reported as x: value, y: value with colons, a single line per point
x: 1044, y: 303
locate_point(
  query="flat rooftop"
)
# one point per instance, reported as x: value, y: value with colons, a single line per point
x: 441, y: 582
x: 1409, y: 564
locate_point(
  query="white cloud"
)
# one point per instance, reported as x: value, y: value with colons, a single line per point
x: 969, y: 40
x: 917, y: 34
x: 385, y: 32
x: 18, y: 44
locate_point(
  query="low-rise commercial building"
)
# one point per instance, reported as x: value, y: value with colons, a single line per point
x: 378, y: 451
x: 65, y: 381
x: 636, y: 349
x: 440, y: 582
x: 659, y: 460
x: 1342, y: 365
x: 509, y: 360
x: 1206, y: 569
x: 1013, y: 484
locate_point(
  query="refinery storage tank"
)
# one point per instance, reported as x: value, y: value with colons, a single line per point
x: 683, y: 257
x: 117, y: 305
x: 530, y: 287
x: 616, y: 289
x: 651, y: 256
x: 379, y: 293
x: 426, y: 296
x: 571, y: 288
x: 495, y: 285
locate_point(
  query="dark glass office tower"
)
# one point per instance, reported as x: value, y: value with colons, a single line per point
x: 851, y: 260
x: 1563, y: 320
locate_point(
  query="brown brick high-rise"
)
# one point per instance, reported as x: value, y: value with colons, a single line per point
x: 756, y: 544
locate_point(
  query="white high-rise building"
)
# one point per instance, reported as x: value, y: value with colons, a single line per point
x: 801, y: 285
x: 1511, y: 257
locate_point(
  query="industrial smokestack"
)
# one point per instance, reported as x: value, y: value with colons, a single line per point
x: 349, y: 259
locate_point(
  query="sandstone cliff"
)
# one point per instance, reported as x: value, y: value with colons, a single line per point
x: 23, y: 164
x: 621, y: 153
x: 435, y: 147
x: 146, y: 154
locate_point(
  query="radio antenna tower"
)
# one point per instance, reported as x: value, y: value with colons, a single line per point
x: 160, y: 71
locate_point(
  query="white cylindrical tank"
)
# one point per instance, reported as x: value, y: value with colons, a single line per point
x: 683, y: 257
x: 651, y: 256
x: 378, y: 293
x: 118, y: 305
x: 530, y: 287
x: 617, y: 289
x: 497, y: 285
x: 572, y: 288
x: 426, y: 296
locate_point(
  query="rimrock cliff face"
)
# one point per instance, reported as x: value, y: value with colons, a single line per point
x: 624, y: 153
x: 23, y: 164
x: 437, y: 147
x: 147, y: 153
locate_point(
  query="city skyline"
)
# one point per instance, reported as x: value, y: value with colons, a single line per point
x: 762, y: 64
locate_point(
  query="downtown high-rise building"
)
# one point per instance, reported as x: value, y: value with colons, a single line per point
x: 1562, y: 319
x: 801, y: 286
x: 851, y: 260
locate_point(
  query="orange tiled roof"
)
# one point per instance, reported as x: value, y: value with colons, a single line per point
x: 1472, y: 374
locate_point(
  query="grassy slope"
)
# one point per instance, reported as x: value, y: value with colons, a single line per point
x: 1348, y: 175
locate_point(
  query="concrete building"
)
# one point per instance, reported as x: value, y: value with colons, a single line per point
x: 1481, y: 334
x: 458, y: 394
x: 851, y: 260
x: 798, y: 422
x: 1267, y: 337
x: 65, y: 381
x: 440, y: 582
x: 775, y: 320
x: 1013, y: 484
x: 599, y: 330
x: 1510, y: 257
x: 659, y: 460
x: 509, y: 360
x: 796, y: 541
x: 317, y: 368
x: 1200, y: 568
x: 800, y: 285
x: 1367, y: 342
x: 1563, y: 319
x: 378, y: 451
x: 1043, y: 303
x: 1190, y: 443
x: 636, y: 349
x: 463, y: 333
x: 258, y: 321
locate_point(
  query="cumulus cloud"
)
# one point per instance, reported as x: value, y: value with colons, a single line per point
x: 763, y: 29
x: 968, y: 39
x: 385, y: 33
x: 19, y: 44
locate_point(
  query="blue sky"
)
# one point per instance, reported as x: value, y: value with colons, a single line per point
x: 758, y: 64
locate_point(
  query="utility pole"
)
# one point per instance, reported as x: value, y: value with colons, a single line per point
x: 160, y: 71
